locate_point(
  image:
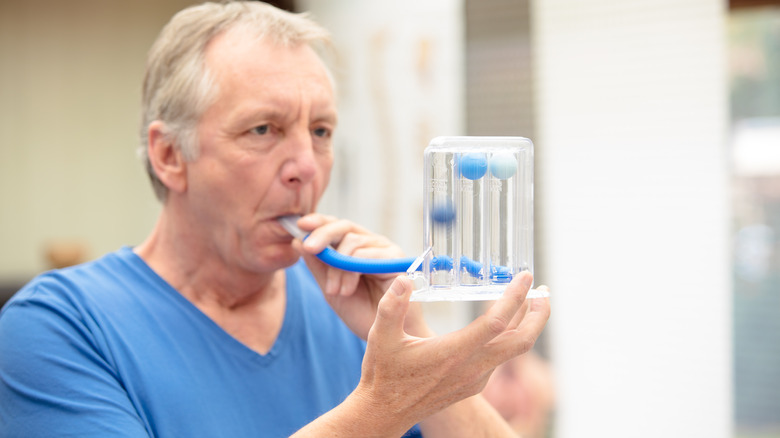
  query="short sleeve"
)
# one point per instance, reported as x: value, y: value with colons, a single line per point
x: 54, y: 379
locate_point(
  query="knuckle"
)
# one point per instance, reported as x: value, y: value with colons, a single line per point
x: 343, y: 223
x: 497, y: 324
x: 516, y: 295
x: 385, y: 310
x: 526, y: 344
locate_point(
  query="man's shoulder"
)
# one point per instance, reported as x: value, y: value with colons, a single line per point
x: 104, y: 279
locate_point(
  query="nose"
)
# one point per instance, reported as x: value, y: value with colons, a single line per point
x: 300, y: 167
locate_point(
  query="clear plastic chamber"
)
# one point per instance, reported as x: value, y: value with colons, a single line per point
x: 478, y: 221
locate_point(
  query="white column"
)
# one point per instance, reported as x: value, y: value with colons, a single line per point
x: 632, y: 124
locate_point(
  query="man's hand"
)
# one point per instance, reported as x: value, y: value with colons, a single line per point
x: 408, y: 379
x: 352, y: 295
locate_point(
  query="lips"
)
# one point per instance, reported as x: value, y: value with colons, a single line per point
x: 290, y: 224
x: 279, y: 229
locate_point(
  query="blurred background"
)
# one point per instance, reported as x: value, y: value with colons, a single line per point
x: 657, y: 132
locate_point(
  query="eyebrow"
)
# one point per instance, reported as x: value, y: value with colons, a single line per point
x: 331, y: 116
x: 249, y: 115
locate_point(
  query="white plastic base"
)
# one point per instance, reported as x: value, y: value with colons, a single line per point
x: 469, y: 293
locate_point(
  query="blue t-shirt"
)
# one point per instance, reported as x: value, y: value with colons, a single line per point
x: 109, y: 348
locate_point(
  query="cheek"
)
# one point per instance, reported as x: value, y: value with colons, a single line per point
x: 326, y: 177
x: 255, y: 172
x: 325, y: 165
x: 238, y: 185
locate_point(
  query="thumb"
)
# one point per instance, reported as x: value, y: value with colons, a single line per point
x: 392, y: 308
x: 315, y: 265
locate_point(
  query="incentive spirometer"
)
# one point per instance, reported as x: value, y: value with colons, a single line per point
x: 478, y: 221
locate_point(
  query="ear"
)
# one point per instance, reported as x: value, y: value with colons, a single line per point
x: 166, y: 159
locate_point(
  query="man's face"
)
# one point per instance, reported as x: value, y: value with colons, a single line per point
x: 265, y: 149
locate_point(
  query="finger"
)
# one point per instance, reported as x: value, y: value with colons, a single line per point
x: 297, y: 246
x: 499, y: 317
x: 519, y: 315
x: 379, y: 251
x: 349, y: 283
x: 379, y: 246
x: 543, y: 304
x: 310, y: 223
x: 544, y: 288
x: 391, y: 311
x: 519, y: 341
x: 320, y: 270
x: 512, y: 306
x: 314, y: 220
x: 333, y: 281
x: 524, y: 309
x: 330, y: 233
x: 317, y: 268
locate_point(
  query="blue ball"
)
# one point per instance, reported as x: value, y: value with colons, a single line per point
x: 473, y: 166
x: 503, y: 165
x: 443, y: 213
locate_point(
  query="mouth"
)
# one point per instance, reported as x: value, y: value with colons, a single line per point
x: 290, y: 223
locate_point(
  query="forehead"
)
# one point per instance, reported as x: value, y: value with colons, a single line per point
x: 242, y: 62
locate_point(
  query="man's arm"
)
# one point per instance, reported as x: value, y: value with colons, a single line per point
x: 473, y: 417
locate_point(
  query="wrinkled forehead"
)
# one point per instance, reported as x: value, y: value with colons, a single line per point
x: 250, y: 74
x: 244, y: 46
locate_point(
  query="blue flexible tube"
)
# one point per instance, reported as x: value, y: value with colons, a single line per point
x: 386, y: 266
x: 366, y: 266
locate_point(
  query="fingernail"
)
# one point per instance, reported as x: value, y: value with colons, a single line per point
x: 310, y: 242
x: 527, y: 280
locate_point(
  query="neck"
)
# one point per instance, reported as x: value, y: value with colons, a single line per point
x: 248, y: 306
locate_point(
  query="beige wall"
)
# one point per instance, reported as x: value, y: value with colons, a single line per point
x: 70, y: 75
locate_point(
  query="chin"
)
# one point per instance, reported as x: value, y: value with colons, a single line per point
x: 278, y: 257
x: 287, y: 262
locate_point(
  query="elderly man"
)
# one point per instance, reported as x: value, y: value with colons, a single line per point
x: 220, y: 323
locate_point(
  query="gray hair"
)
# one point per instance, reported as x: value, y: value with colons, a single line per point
x: 178, y: 86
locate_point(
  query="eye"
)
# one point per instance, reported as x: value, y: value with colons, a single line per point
x: 261, y: 130
x: 321, y: 132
